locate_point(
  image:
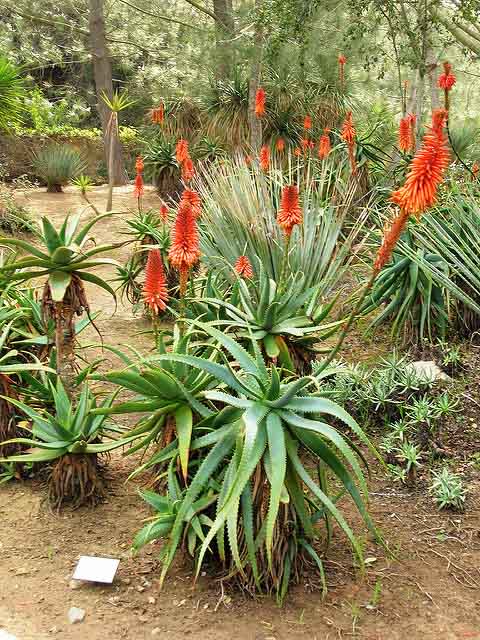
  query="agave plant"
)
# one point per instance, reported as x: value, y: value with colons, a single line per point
x: 161, y: 166
x: 69, y: 439
x: 250, y: 483
x: 411, y: 298
x: 65, y: 260
x: 56, y: 165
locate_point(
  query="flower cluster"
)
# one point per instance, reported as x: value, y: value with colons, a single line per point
x: 265, y: 158
x: 193, y: 199
x: 280, y: 145
x: 446, y: 80
x: 139, y: 166
x: 260, y: 99
x: 183, y: 158
x: 290, y: 213
x: 243, y: 267
x: 348, y: 134
x: 307, y: 123
x: 324, y: 146
x: 184, y: 251
x: 155, y: 293
x: 158, y: 114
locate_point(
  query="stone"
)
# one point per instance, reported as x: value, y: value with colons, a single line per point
x: 429, y: 370
x: 4, y: 635
x: 75, y: 615
x: 156, y: 631
x: 76, y: 584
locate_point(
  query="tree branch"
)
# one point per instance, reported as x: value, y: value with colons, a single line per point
x: 159, y: 16
x: 203, y: 9
x: 456, y: 32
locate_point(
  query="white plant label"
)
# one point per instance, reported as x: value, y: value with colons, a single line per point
x: 96, y: 569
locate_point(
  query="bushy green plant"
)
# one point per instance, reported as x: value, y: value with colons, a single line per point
x: 161, y: 166
x: 56, y: 165
x: 14, y: 218
x: 70, y: 439
x: 247, y: 480
x: 12, y: 93
x: 448, y: 490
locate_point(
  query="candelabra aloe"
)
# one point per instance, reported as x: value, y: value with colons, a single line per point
x: 65, y: 259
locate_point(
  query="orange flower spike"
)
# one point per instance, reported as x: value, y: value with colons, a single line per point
x: 405, y: 135
x: 280, y: 145
x: 188, y: 170
x: 341, y: 68
x: 307, y: 123
x: 475, y: 170
x: 290, y: 213
x: 158, y: 114
x: 348, y: 134
x: 243, y: 267
x: 155, y: 293
x: 181, y: 151
x: 412, y: 120
x: 139, y: 166
x: 184, y: 251
x: 193, y: 198
x: 391, y: 236
x: 427, y: 169
x: 324, y: 146
x: 139, y: 188
x: 297, y: 152
x: 164, y: 212
x: 260, y: 100
x: 447, y: 79
x: 265, y: 158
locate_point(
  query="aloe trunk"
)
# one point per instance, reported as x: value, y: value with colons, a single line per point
x: 65, y: 344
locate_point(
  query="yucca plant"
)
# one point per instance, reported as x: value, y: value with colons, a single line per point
x: 56, y: 165
x: 65, y: 259
x: 239, y: 210
x: 250, y: 483
x: 70, y: 440
x: 409, y: 297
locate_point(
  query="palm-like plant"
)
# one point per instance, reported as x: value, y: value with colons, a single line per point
x: 252, y: 485
x: 161, y: 166
x: 12, y: 94
x: 70, y: 439
x: 65, y: 260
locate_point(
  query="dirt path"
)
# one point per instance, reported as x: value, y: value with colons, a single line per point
x: 430, y: 591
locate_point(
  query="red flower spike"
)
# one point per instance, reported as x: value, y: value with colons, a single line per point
x: 139, y: 164
x: 290, y: 212
x: 193, y: 199
x: 155, y: 293
x: 392, y: 233
x: 341, y: 68
x: 138, y: 190
x: 280, y: 145
x: 243, y: 267
x: 265, y: 158
x: 447, y: 79
x: 405, y: 135
x: 348, y: 134
x: 188, y: 170
x: 297, y: 152
x: 324, y: 146
x: 181, y: 151
x: 342, y: 59
x: 158, y: 114
x: 475, y: 170
x: 184, y: 251
x: 307, y: 123
x: 164, y: 212
x: 260, y: 99
x: 427, y: 169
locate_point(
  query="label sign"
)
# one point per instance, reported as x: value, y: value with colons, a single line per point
x: 96, y: 569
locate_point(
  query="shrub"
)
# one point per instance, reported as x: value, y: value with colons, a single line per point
x: 448, y: 490
x: 12, y: 93
x: 57, y: 165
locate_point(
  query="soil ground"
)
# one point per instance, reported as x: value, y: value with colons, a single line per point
x: 427, y: 588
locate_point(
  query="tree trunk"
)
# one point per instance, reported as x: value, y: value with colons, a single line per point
x: 65, y: 344
x: 254, y: 122
x: 224, y: 31
x: 432, y: 65
x: 102, y: 71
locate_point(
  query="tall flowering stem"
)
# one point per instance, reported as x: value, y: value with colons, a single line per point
x: 307, y: 123
x: 341, y: 69
x: 289, y: 215
x: 184, y: 251
x: 155, y: 293
x: 265, y: 158
x: 139, y: 187
x: 280, y: 145
x: 446, y: 81
x: 348, y: 135
x: 324, y: 146
x: 260, y: 100
x: 158, y: 114
x: 419, y: 192
x: 405, y: 139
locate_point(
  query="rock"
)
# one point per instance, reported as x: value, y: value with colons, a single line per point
x: 156, y: 631
x: 76, y: 584
x: 4, y: 635
x: 75, y: 615
x: 151, y: 600
x: 429, y: 370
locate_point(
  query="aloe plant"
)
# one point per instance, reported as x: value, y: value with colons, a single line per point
x: 66, y: 260
x: 246, y: 479
x: 69, y: 439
